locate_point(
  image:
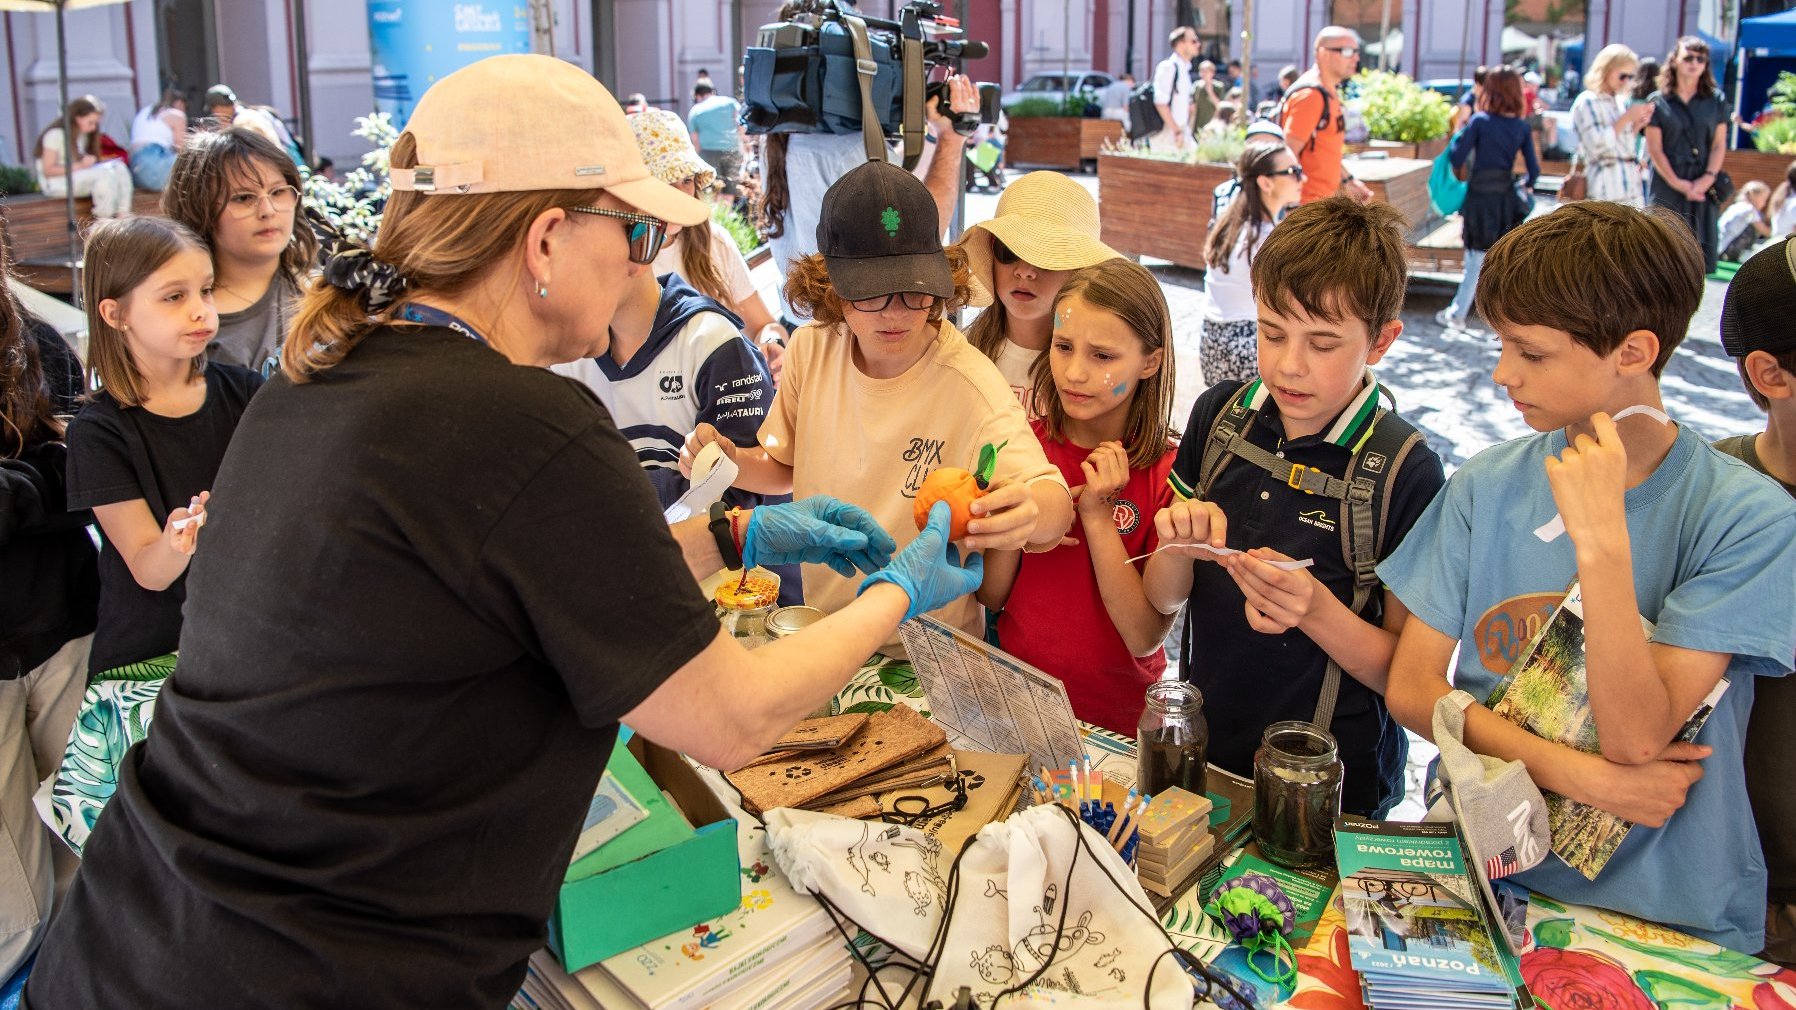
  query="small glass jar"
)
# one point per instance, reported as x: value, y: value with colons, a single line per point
x: 1172, y: 739
x: 787, y: 621
x: 1297, y: 794
x: 743, y: 603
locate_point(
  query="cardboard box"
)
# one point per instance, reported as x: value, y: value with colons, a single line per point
x: 603, y: 910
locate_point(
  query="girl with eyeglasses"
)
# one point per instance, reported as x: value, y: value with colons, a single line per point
x: 241, y: 195
x: 1271, y: 181
x: 1609, y: 128
x: 881, y: 389
x: 1686, y: 140
x: 1045, y: 228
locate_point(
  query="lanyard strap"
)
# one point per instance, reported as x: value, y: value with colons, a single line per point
x: 430, y: 315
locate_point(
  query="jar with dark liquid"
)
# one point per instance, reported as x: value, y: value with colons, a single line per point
x: 1172, y: 738
x: 1296, y: 794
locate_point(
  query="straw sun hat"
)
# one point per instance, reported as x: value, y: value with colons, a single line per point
x: 667, y: 148
x: 1045, y: 218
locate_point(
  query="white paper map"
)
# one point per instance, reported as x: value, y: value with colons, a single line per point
x: 993, y: 699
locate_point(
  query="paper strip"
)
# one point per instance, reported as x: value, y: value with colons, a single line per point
x: 1554, y: 528
x: 1223, y: 552
x: 707, y: 489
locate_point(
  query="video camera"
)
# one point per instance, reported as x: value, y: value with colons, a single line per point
x: 832, y: 70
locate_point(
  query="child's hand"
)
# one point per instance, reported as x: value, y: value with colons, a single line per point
x: 1277, y: 600
x: 1106, y: 472
x: 1191, y: 522
x: 1003, y: 519
x: 182, y: 531
x: 1589, y: 480
x: 704, y: 435
x: 1648, y: 793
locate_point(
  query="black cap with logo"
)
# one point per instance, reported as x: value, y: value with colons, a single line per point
x: 1756, y: 313
x: 879, y: 234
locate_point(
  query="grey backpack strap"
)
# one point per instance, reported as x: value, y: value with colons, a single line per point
x: 1223, y: 439
x: 1365, y: 511
x: 865, y: 71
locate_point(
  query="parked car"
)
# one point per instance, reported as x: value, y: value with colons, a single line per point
x: 1053, y: 86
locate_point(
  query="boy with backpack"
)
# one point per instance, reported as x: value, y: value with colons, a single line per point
x: 1756, y: 332
x: 1685, y: 560
x: 1303, y: 463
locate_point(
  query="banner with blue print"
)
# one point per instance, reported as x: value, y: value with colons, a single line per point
x: 415, y: 42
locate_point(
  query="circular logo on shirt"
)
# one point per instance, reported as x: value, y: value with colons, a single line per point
x: 1127, y: 516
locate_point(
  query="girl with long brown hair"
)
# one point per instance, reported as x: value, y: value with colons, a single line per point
x: 1270, y: 181
x: 1106, y: 387
x: 1686, y: 142
x: 107, y: 182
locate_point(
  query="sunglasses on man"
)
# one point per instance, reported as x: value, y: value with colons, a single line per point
x: 647, y: 234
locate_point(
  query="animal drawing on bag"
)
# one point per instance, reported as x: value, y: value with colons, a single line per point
x: 994, y: 964
x: 926, y: 888
x: 864, y: 863
x: 1045, y: 939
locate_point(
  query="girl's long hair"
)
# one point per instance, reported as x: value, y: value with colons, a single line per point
x: 121, y: 254
x: 1247, y: 211
x: 212, y: 165
x: 1126, y: 290
x: 440, y: 244
x: 700, y: 268
x: 77, y: 108
x: 27, y: 416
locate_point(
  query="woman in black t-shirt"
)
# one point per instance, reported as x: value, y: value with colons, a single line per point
x: 435, y: 583
x: 1686, y: 139
x: 144, y: 451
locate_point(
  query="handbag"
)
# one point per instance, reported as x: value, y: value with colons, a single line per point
x: 1722, y: 189
x: 1446, y: 190
x: 1576, y: 185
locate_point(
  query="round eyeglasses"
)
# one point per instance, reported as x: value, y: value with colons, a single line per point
x: 281, y: 199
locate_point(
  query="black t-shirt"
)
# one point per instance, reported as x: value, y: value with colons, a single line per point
x: 1251, y: 680
x: 434, y: 582
x: 113, y: 453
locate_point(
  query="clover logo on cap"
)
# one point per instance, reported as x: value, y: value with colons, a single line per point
x: 890, y: 220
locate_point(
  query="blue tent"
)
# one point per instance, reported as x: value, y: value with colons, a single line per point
x: 1767, y: 46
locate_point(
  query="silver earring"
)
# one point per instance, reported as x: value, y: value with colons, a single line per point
x: 542, y: 290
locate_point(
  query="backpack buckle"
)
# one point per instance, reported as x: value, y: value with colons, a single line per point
x: 1296, y: 479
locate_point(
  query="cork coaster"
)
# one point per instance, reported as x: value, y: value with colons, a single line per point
x: 933, y: 767
x: 888, y: 739
x: 820, y: 734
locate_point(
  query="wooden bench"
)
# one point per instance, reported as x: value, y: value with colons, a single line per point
x: 34, y: 228
x: 1440, y: 251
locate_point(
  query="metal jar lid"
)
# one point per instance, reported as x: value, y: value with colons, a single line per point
x: 791, y: 620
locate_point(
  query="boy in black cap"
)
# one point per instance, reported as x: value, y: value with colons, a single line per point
x: 881, y: 389
x: 1756, y: 331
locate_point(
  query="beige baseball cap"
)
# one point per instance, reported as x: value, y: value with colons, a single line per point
x: 524, y: 122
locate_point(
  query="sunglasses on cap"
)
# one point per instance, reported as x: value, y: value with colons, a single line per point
x: 916, y: 301
x: 646, y: 233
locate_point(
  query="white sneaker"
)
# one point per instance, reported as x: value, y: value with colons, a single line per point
x: 1445, y: 318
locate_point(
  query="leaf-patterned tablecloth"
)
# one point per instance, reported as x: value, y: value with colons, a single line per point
x: 115, y: 713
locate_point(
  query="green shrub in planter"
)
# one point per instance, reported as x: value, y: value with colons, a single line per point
x: 1398, y: 109
x: 16, y: 179
x: 1034, y: 108
x: 739, y: 229
x: 1776, y: 136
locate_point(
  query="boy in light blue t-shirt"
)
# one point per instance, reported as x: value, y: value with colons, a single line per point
x: 1589, y: 303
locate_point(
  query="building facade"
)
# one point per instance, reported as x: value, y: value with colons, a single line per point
x: 125, y: 54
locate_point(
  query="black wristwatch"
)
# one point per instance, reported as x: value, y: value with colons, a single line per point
x: 720, y: 532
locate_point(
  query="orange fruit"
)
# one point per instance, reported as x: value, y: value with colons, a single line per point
x: 954, y: 486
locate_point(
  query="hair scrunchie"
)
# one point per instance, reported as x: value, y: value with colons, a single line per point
x: 350, y: 266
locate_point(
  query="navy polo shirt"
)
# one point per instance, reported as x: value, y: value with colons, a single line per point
x: 1251, y: 680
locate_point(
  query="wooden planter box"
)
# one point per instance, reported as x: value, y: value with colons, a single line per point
x: 34, y: 228
x: 1426, y: 150
x: 1744, y: 166
x: 1057, y: 141
x: 1157, y: 208
x: 1402, y: 183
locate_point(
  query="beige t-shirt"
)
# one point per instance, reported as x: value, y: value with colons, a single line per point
x: 873, y: 441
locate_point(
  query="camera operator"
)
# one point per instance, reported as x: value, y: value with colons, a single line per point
x: 797, y: 169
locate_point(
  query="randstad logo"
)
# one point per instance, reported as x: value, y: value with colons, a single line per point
x: 1318, y: 518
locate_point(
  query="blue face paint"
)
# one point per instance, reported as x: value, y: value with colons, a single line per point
x: 1120, y: 389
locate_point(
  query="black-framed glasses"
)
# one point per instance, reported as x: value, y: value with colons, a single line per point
x: 1003, y: 253
x: 646, y: 233
x: 1295, y: 171
x: 246, y: 204
x: 1343, y: 50
x: 916, y: 301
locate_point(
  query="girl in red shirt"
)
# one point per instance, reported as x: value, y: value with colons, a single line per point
x: 1078, y: 611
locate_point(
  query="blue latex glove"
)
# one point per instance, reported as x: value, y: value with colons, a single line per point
x: 818, y: 530
x: 931, y: 571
